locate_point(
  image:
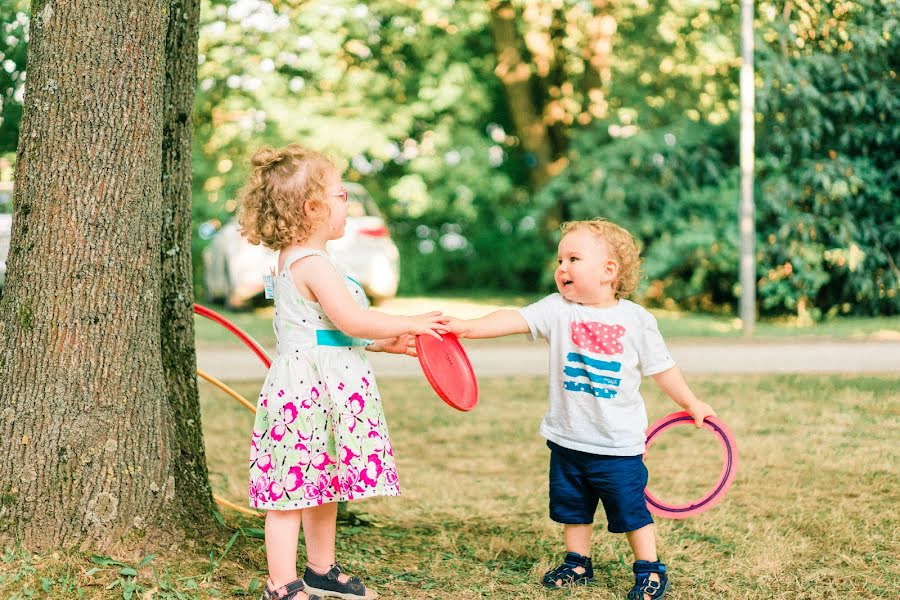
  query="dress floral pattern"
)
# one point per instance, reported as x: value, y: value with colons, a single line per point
x: 320, y: 433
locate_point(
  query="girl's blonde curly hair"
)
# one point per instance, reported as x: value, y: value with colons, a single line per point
x: 274, y: 205
x: 622, y: 247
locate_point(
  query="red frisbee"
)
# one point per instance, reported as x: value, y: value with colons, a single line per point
x: 726, y: 476
x: 448, y: 370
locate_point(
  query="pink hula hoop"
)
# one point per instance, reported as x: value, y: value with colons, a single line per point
x: 726, y: 477
x: 249, y: 341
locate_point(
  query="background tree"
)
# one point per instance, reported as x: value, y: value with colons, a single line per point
x: 89, y: 417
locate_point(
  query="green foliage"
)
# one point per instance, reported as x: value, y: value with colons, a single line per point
x: 828, y: 175
x: 829, y: 166
x: 13, y: 47
x: 675, y: 189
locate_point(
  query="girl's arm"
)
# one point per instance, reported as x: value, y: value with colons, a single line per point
x: 496, y: 324
x: 327, y: 285
x: 673, y: 384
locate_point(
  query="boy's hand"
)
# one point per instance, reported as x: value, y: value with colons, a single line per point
x: 460, y: 327
x: 700, y: 410
x: 402, y: 344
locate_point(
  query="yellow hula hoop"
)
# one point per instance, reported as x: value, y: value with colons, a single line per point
x: 226, y: 389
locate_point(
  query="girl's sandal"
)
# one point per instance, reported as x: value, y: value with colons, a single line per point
x: 330, y: 585
x: 286, y: 592
x: 565, y: 574
x: 644, y: 585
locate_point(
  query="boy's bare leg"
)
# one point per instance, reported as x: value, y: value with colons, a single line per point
x: 578, y: 539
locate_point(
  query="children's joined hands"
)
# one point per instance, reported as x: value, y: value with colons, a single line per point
x: 432, y: 323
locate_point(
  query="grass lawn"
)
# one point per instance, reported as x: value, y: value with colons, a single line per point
x: 674, y: 325
x: 813, y: 512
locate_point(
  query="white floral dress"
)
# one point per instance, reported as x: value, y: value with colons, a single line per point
x: 320, y: 433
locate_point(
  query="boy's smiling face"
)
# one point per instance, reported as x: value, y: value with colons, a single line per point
x: 586, y: 270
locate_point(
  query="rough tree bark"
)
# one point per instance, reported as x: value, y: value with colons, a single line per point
x: 192, y: 492
x: 87, y: 431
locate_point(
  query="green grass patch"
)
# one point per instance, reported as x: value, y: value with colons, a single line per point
x: 813, y: 510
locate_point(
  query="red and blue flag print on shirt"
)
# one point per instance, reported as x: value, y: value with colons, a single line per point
x: 585, y: 370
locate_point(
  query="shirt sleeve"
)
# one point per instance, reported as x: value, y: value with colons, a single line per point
x: 540, y: 316
x: 652, y: 352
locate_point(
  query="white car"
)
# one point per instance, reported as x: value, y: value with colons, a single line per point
x: 6, y: 190
x: 234, y: 268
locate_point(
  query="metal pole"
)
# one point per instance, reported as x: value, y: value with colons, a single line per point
x: 747, y: 210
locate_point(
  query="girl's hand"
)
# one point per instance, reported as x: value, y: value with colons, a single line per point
x: 402, y: 344
x: 700, y: 410
x: 433, y: 324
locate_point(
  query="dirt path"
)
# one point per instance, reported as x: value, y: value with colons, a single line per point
x: 531, y: 359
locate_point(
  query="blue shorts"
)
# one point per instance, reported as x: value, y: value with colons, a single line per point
x: 579, y: 480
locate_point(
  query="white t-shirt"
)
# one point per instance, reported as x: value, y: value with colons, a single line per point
x: 597, y: 359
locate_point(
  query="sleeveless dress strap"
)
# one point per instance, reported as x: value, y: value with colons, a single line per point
x: 297, y: 255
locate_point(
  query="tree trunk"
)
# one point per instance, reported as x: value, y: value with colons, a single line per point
x: 193, y: 495
x: 86, y: 432
x: 516, y: 77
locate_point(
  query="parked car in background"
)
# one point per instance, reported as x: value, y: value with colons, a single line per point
x: 5, y: 226
x: 234, y: 268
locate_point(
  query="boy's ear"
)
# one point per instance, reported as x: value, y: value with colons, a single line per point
x: 610, y: 269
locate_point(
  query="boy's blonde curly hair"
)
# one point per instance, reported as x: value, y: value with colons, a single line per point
x: 622, y: 247
x: 283, y: 184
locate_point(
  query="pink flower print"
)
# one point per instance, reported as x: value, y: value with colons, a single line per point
x: 304, y: 457
x: 341, y: 385
x: 321, y: 460
x: 377, y: 440
x: 597, y: 337
x: 258, y: 490
x: 276, y: 491
x: 365, y: 382
x: 372, y: 471
x: 288, y: 415
x: 264, y: 462
x: 347, y: 455
x: 318, y: 491
x: 307, y: 400
x: 264, y: 401
x: 390, y: 477
x: 348, y: 485
x: 351, y: 409
x: 294, y: 478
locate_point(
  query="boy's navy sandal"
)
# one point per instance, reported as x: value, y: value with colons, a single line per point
x: 329, y: 585
x: 644, y: 585
x: 290, y: 592
x: 565, y: 574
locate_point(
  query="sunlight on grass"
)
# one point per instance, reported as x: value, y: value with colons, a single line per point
x: 814, y: 505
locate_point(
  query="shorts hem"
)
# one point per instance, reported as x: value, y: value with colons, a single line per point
x: 628, y: 528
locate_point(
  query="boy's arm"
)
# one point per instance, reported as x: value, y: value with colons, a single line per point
x: 496, y: 324
x: 673, y: 384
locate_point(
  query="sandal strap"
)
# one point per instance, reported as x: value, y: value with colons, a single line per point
x: 290, y: 591
x: 566, y: 573
x: 354, y: 585
x: 643, y: 584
